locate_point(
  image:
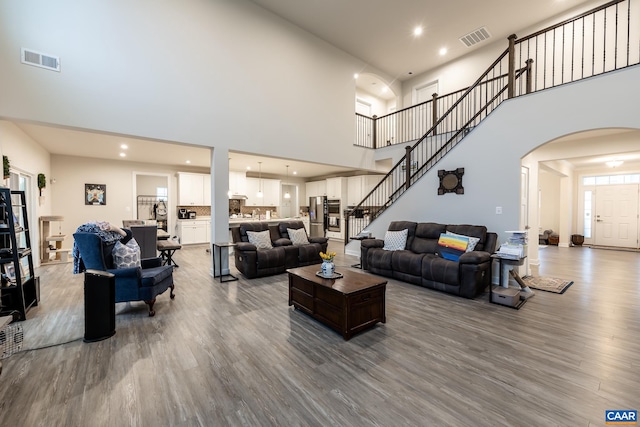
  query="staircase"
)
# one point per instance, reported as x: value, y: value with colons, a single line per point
x: 601, y: 40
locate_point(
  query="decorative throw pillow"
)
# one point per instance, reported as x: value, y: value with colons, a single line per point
x: 395, y: 240
x: 473, y: 241
x: 451, y: 247
x: 126, y: 256
x: 261, y: 239
x: 298, y: 236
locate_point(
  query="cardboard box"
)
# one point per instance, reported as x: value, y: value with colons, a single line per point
x: 505, y: 296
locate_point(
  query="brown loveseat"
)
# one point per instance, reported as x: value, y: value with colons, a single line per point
x: 253, y: 262
x: 420, y: 262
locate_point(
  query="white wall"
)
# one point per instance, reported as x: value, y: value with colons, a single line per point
x: 72, y: 173
x: 208, y: 72
x: 491, y: 154
x: 379, y: 107
x: 549, y: 187
x: 26, y: 156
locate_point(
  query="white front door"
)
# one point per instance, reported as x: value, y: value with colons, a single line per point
x: 616, y: 215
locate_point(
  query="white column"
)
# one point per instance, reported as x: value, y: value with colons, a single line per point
x: 220, y: 203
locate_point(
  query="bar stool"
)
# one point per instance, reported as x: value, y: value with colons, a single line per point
x: 167, y: 248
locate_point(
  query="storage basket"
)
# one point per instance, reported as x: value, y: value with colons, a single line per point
x: 11, y: 338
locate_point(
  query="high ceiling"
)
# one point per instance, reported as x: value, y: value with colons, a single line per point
x: 379, y: 32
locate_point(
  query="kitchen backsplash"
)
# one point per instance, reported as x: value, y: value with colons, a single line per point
x: 199, y: 210
x: 262, y: 209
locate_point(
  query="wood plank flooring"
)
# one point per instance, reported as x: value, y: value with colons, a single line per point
x: 236, y: 354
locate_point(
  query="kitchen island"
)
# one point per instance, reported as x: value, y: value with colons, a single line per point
x: 198, y: 230
x: 234, y: 222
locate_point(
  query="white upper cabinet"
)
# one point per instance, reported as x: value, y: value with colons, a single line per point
x: 270, y: 192
x: 191, y: 189
x: 358, y: 187
x: 238, y: 183
x: 316, y: 188
x: 336, y: 188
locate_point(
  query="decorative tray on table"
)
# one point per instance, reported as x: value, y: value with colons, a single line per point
x: 333, y: 276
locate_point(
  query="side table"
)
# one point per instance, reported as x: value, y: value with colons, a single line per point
x: 360, y: 238
x: 219, y: 246
x: 506, y: 261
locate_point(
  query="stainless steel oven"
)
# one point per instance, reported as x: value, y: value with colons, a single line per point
x: 333, y: 210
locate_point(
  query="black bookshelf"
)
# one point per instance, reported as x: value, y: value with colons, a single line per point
x: 19, y: 290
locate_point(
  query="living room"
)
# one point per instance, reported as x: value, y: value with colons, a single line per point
x: 493, y: 181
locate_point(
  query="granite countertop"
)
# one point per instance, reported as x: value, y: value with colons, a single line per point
x: 239, y: 220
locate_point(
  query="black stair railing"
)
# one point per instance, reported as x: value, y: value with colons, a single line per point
x: 595, y: 42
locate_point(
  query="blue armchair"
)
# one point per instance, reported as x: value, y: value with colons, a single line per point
x: 132, y: 284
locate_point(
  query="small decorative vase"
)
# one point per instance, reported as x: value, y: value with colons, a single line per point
x: 328, y: 268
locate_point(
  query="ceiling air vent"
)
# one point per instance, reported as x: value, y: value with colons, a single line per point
x: 475, y: 37
x: 39, y: 59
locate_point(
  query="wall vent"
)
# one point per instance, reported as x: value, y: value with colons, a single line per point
x: 475, y: 37
x: 39, y: 59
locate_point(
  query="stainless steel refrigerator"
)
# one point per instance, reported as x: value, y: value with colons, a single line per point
x: 318, y: 215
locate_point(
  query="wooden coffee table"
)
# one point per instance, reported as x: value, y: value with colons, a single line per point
x: 347, y: 305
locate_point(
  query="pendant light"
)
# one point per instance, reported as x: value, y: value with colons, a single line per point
x: 286, y: 194
x: 260, y: 194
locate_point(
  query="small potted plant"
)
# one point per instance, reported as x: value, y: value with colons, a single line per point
x: 42, y: 182
x: 328, y: 267
x: 6, y: 167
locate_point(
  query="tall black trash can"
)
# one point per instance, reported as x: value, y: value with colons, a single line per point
x: 99, y: 305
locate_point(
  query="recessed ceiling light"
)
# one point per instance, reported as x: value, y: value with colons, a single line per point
x: 248, y: 168
x: 385, y: 89
x: 442, y: 51
x: 417, y: 31
x: 124, y: 146
x: 188, y: 162
x: 123, y: 155
x: 355, y: 76
x: 295, y: 172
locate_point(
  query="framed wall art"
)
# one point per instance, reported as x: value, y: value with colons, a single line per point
x: 95, y: 194
x: 451, y: 181
x: 10, y: 271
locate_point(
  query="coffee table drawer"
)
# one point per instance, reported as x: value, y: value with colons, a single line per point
x: 302, y: 285
x: 329, y: 296
x: 366, y: 296
x: 302, y: 300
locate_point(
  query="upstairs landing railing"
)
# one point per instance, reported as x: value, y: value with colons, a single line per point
x: 601, y: 40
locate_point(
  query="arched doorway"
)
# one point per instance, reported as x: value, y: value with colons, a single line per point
x: 578, y: 190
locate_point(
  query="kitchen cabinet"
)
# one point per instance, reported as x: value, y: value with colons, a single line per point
x: 207, y: 190
x: 358, y: 187
x: 238, y: 183
x: 270, y: 192
x: 193, y: 231
x: 191, y: 188
x: 336, y: 188
x: 316, y: 188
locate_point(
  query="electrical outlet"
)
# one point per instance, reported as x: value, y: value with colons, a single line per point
x: 498, y: 210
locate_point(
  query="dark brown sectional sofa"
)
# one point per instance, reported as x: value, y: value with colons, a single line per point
x: 420, y: 263
x: 253, y: 262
